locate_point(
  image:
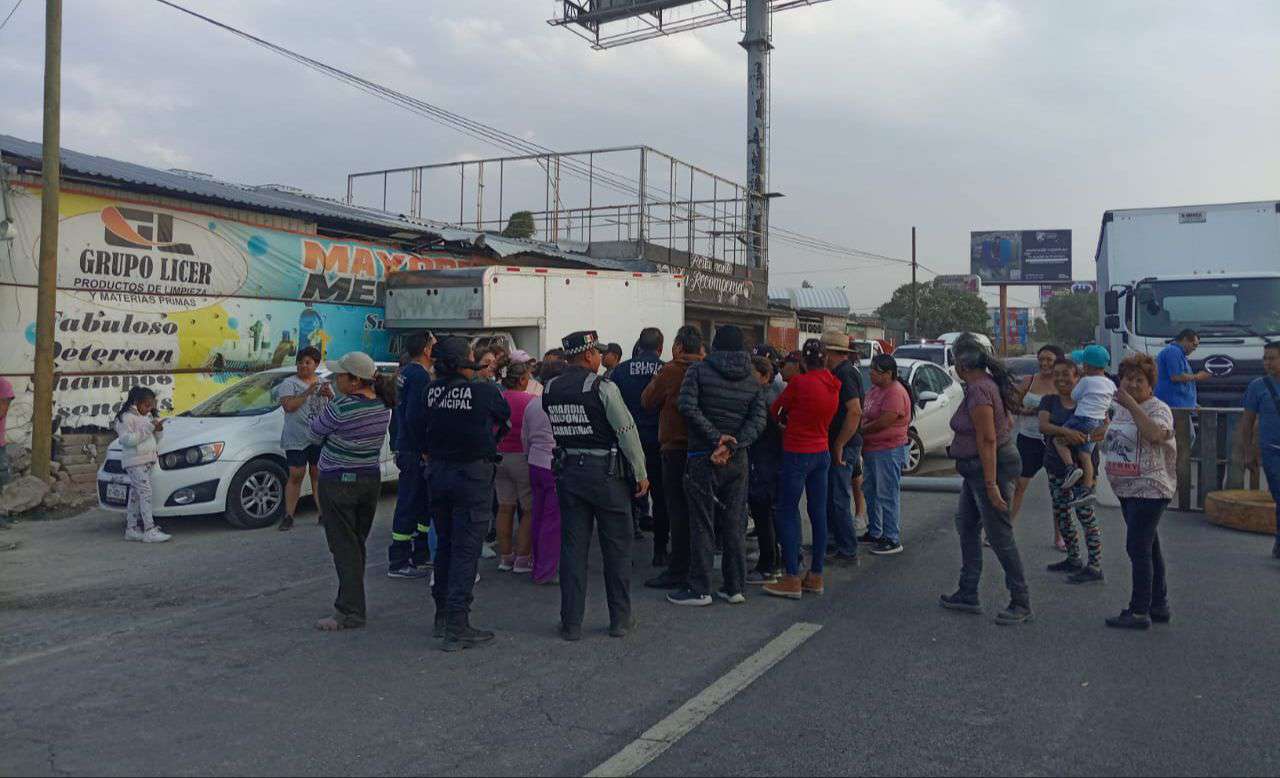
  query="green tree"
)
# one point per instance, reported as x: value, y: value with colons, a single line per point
x: 1072, y: 319
x: 939, y: 310
x: 520, y: 225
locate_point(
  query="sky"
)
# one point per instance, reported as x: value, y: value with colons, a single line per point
x: 948, y: 115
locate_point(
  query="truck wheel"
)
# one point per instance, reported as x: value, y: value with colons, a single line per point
x: 915, y: 454
x: 256, y: 496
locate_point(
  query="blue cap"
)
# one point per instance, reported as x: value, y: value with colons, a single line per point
x: 1096, y: 356
x: 1077, y: 356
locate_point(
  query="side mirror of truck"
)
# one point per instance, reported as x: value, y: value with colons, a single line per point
x: 1112, y: 323
x: 1111, y: 304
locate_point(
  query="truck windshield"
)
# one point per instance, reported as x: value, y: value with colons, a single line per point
x: 1212, y: 306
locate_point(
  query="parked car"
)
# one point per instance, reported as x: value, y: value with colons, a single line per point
x: 223, y: 457
x: 1022, y: 367
x: 937, y: 397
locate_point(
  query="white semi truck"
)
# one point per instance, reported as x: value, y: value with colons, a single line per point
x: 1211, y: 268
x: 534, y: 308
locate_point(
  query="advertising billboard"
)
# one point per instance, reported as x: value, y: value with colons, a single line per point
x: 1018, y: 321
x: 960, y: 283
x: 1021, y: 256
x: 1048, y: 292
x: 182, y: 302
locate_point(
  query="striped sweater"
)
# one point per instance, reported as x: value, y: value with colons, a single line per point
x: 353, y: 429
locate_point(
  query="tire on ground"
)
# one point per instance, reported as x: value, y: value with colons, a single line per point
x: 914, y: 443
x: 268, y: 474
x: 1242, y: 509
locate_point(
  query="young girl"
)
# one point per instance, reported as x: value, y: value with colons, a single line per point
x: 139, y: 432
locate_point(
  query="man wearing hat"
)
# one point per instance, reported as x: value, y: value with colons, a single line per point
x: 610, y: 356
x: 465, y: 419
x: 846, y: 446
x: 594, y: 433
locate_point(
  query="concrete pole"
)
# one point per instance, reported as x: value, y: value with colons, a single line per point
x: 915, y: 303
x: 47, y: 283
x: 757, y: 44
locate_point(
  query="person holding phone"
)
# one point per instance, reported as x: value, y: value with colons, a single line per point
x: 302, y: 396
x: 139, y: 431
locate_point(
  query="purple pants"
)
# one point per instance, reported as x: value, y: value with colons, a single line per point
x: 546, y: 524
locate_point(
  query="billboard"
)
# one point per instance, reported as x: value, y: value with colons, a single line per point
x: 1048, y: 292
x: 183, y: 302
x: 1021, y: 256
x: 1018, y: 321
x: 960, y: 283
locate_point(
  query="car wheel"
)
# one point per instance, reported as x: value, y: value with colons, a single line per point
x: 915, y: 453
x: 256, y: 496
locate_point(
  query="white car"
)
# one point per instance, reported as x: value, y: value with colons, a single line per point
x: 937, y: 397
x: 223, y: 457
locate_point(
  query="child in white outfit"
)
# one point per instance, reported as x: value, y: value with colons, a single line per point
x: 1093, y: 395
x: 139, y: 433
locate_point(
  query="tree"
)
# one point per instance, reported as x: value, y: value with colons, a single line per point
x: 1072, y: 318
x: 520, y: 225
x: 939, y: 310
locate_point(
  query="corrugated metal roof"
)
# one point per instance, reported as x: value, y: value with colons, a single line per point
x: 825, y: 300
x: 319, y: 209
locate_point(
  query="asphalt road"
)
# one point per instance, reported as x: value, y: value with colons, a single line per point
x: 198, y: 657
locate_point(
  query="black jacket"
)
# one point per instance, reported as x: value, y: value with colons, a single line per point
x: 720, y: 396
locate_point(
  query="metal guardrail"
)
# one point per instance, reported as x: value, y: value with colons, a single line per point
x: 1211, y: 454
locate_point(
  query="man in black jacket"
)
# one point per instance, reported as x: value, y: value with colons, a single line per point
x: 724, y: 407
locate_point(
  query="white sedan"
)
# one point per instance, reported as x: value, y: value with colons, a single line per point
x: 223, y: 457
x: 937, y: 397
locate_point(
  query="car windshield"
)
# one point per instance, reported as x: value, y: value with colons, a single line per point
x: 933, y: 354
x: 862, y: 349
x: 250, y: 397
x: 1212, y: 306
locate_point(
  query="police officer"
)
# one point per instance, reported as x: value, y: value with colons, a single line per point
x: 594, y: 434
x: 409, y: 555
x: 464, y: 421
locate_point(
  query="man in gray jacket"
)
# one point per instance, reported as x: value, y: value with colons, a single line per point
x: 724, y: 407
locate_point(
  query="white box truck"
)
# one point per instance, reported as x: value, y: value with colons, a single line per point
x: 1211, y: 268
x: 535, y: 307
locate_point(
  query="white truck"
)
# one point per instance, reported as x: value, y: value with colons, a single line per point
x: 535, y: 307
x: 1211, y: 268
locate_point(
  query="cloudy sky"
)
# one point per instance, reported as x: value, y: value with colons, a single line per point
x: 945, y: 114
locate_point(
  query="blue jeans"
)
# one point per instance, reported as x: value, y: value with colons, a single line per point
x: 840, y: 499
x: 1271, y: 466
x: 807, y: 473
x: 882, y: 474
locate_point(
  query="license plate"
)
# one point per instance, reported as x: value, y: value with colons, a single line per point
x: 118, y: 493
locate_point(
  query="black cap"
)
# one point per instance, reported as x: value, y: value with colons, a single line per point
x: 728, y: 338
x: 579, y: 342
x: 813, y: 349
x: 453, y: 352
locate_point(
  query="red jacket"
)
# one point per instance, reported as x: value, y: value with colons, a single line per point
x: 805, y: 409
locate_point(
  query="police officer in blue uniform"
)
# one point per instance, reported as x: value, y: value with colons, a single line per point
x: 464, y: 421
x: 409, y: 555
x: 599, y: 465
x: 632, y: 376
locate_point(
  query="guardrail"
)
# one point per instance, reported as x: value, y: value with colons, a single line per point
x: 1211, y: 454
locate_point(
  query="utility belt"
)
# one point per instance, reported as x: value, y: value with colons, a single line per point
x: 616, y: 464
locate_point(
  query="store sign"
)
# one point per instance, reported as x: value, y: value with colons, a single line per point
x: 960, y: 283
x: 711, y: 282
x: 186, y: 302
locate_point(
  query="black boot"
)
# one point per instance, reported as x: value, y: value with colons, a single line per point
x: 659, y: 557
x: 441, y: 622
x: 1130, y: 620
x: 459, y: 634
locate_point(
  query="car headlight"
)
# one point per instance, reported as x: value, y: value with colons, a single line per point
x: 193, y: 456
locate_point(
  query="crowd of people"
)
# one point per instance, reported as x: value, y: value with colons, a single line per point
x: 524, y: 459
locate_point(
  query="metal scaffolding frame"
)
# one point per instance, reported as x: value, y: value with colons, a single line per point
x: 668, y: 202
x: 591, y: 20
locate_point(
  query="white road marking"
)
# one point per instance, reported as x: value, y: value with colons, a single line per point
x: 687, y: 717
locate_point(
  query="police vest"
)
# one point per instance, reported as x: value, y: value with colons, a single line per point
x: 573, y: 405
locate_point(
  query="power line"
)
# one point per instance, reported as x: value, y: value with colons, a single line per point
x: 12, y: 11
x: 503, y: 140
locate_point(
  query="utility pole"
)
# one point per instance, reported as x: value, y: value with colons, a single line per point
x: 47, y: 284
x: 756, y: 42
x: 914, y: 294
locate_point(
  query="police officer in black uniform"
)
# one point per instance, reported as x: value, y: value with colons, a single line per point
x: 465, y: 419
x: 599, y: 466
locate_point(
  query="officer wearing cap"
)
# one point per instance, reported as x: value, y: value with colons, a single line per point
x: 464, y: 421
x: 594, y: 434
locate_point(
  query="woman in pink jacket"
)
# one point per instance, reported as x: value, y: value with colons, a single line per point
x: 538, y: 442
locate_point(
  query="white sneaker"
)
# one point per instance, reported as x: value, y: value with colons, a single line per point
x: 732, y: 599
x: 155, y: 535
x: 487, y: 552
x: 133, y: 533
